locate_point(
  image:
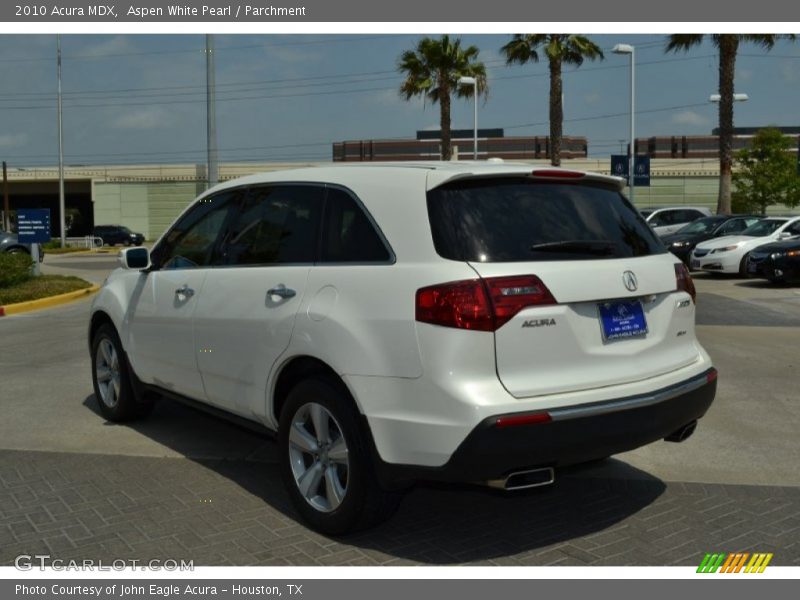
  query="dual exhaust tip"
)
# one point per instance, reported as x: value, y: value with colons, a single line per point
x: 523, y: 480
x: 683, y: 433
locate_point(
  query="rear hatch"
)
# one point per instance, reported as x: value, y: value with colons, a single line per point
x: 583, y: 291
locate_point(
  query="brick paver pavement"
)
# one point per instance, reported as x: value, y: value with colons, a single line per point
x: 235, y: 512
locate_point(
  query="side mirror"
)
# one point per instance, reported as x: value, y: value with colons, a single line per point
x: 134, y: 258
x: 785, y: 235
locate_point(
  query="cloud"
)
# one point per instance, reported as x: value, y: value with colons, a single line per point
x: 147, y: 118
x: 114, y: 45
x: 689, y: 117
x: 12, y: 140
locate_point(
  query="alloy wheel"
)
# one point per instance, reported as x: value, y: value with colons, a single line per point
x: 318, y: 457
x: 107, y: 372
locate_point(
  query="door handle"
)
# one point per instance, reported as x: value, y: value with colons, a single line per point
x: 282, y: 291
x: 185, y: 291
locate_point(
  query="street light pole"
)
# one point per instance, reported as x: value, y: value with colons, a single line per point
x: 474, y: 83
x: 61, y: 207
x: 628, y: 49
x: 211, y: 115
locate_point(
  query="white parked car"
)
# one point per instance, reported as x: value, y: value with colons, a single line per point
x: 729, y: 254
x: 393, y: 323
x: 669, y: 219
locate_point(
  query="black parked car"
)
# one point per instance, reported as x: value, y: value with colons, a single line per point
x: 779, y: 261
x: 117, y: 234
x: 682, y: 242
x: 11, y: 244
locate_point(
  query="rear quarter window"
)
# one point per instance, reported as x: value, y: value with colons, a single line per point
x: 521, y: 219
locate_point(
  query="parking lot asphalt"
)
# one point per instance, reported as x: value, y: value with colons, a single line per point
x: 182, y: 484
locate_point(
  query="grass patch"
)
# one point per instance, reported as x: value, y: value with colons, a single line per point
x: 41, y: 287
x: 60, y: 250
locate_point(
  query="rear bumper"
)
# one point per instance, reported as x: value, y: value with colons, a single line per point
x: 574, y: 435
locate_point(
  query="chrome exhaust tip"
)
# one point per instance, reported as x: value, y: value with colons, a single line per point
x: 683, y: 433
x: 523, y: 480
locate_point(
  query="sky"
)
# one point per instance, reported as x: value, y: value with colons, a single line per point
x: 132, y: 99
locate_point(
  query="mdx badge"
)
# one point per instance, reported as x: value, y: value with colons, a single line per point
x: 629, y: 279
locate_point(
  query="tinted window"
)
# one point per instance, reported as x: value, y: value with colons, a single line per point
x: 734, y: 226
x: 504, y: 220
x: 794, y: 228
x: 765, y: 227
x: 348, y: 235
x: 276, y: 225
x: 191, y: 241
x: 705, y: 225
x: 685, y: 216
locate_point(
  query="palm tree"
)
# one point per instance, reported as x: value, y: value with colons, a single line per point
x: 728, y: 46
x: 559, y: 49
x: 432, y: 70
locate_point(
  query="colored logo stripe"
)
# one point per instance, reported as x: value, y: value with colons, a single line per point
x: 734, y: 562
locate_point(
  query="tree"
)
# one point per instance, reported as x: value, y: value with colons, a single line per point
x: 766, y: 174
x: 432, y: 70
x: 728, y: 46
x: 559, y: 49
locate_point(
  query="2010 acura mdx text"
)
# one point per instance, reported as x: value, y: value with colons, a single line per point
x: 468, y: 322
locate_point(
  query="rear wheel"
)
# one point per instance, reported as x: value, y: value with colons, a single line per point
x: 326, y: 463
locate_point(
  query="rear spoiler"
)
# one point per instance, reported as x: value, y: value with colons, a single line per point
x: 438, y: 178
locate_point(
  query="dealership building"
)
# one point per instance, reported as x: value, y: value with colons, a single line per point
x: 147, y: 198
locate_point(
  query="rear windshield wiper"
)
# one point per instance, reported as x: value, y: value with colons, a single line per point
x: 599, y: 247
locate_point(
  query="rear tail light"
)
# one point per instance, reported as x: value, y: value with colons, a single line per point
x: 711, y: 376
x: 480, y: 304
x: 684, y: 281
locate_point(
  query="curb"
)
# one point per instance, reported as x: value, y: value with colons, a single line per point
x: 21, y: 307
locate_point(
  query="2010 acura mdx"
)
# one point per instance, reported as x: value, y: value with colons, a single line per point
x: 394, y: 323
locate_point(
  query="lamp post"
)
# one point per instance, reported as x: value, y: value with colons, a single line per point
x: 474, y: 83
x: 61, y: 201
x: 628, y: 49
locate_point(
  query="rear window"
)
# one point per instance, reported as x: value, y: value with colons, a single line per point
x: 510, y: 220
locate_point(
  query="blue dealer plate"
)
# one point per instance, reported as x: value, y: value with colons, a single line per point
x: 622, y: 320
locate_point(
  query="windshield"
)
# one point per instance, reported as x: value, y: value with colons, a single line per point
x: 519, y: 219
x: 765, y: 227
x: 704, y: 225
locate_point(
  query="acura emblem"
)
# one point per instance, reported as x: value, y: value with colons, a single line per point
x: 629, y: 279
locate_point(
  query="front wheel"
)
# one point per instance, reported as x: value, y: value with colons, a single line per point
x: 326, y: 463
x: 743, y: 266
x: 111, y: 378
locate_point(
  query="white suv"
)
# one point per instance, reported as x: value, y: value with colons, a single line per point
x: 394, y: 323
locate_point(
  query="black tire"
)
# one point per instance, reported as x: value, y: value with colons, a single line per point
x: 124, y: 406
x: 743, y: 266
x: 126, y: 243
x: 363, y: 502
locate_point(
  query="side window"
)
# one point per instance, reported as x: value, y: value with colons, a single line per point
x: 737, y: 225
x: 349, y: 236
x: 794, y: 229
x: 277, y: 224
x: 191, y: 241
x: 657, y: 220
